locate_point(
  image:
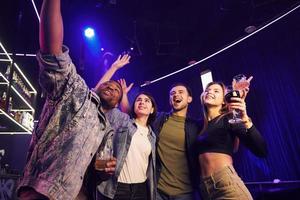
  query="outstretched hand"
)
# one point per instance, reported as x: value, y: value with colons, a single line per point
x: 123, y: 83
x: 121, y: 61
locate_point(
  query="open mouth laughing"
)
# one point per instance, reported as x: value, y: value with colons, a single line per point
x: 209, y: 96
x: 177, y: 100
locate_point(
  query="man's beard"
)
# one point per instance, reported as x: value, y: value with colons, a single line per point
x: 179, y: 108
x: 106, y: 103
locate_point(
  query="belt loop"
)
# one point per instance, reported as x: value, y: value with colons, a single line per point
x: 212, y: 179
x: 230, y: 167
x: 209, y: 184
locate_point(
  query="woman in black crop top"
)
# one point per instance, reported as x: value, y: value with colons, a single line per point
x: 218, y: 141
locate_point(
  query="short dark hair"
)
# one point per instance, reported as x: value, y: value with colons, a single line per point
x: 97, y: 90
x: 152, y: 116
x: 184, y: 85
x: 121, y: 90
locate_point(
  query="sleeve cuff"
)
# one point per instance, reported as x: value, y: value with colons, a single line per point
x: 54, y: 61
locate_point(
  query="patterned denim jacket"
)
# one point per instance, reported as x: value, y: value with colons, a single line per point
x: 70, y: 130
x: 124, y: 129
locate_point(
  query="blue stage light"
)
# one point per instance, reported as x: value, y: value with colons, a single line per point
x: 89, y: 32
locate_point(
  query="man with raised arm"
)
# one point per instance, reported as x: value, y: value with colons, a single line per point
x: 72, y: 124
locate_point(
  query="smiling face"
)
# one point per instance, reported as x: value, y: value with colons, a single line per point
x: 213, y: 95
x: 179, y: 98
x: 143, y: 106
x: 110, y: 93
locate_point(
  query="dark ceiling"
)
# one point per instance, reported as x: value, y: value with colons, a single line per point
x: 158, y: 30
x: 166, y: 35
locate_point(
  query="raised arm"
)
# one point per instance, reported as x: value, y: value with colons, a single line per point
x: 51, y: 28
x: 119, y: 63
x: 125, y: 105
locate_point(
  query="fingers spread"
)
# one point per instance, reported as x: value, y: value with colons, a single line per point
x: 249, y: 79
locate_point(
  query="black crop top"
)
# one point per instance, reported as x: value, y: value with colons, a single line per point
x: 219, y: 137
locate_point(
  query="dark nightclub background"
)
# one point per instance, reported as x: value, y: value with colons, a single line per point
x: 166, y: 36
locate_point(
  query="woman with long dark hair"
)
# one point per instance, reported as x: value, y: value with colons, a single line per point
x: 218, y: 141
x: 134, y: 148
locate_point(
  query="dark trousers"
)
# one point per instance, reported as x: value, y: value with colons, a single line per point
x: 162, y: 196
x: 136, y: 191
x: 28, y: 193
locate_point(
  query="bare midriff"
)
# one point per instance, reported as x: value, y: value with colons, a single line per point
x: 213, y: 162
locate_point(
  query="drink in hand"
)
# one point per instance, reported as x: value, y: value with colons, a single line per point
x: 230, y: 94
x: 103, y: 156
x: 100, y: 164
x: 241, y: 85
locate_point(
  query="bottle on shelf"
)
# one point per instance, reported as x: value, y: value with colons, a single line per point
x: 26, y: 120
x: 17, y: 116
x: 3, y: 101
x: 7, y: 72
x: 9, y: 105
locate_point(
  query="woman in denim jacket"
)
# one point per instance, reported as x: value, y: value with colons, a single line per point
x: 134, y: 149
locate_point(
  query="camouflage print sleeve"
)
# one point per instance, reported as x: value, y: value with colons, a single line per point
x: 56, y: 71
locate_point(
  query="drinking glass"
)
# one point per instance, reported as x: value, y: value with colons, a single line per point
x: 104, y: 155
x: 239, y: 84
x: 230, y: 92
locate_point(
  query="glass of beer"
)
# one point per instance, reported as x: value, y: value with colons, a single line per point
x: 103, y: 156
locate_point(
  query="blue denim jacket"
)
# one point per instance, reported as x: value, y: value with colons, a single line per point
x: 124, y: 129
x: 69, y: 132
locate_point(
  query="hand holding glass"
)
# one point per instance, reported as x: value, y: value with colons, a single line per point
x: 230, y: 92
x: 103, y: 156
x: 240, y: 85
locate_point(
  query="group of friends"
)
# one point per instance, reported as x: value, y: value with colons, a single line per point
x: 156, y: 155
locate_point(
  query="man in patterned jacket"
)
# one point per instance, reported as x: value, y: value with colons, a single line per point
x: 72, y: 124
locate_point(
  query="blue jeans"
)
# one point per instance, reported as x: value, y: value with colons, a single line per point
x: 162, y: 196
